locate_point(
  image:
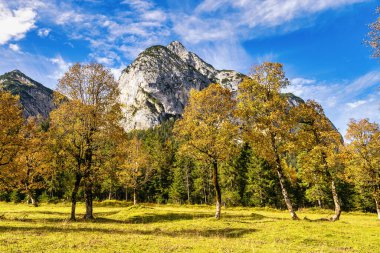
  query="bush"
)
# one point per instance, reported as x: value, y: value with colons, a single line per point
x: 16, y: 196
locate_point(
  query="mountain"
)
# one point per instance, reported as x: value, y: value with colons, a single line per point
x: 35, y: 98
x: 157, y: 84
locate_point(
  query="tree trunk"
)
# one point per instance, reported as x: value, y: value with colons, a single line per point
x: 126, y: 193
x: 134, y: 197
x: 110, y: 193
x: 205, y: 193
x: 378, y: 208
x: 218, y: 194
x: 188, y: 186
x: 336, y: 202
x: 74, y: 195
x: 89, y: 209
x: 320, y: 203
x: 31, y: 199
x: 286, y: 196
x: 288, y: 202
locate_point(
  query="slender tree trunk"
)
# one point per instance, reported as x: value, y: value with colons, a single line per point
x: 89, y: 199
x: 74, y: 195
x: 285, y: 194
x: 288, y: 202
x: 188, y: 185
x: 320, y: 203
x: 205, y: 193
x: 110, y: 193
x: 134, y: 196
x: 378, y: 208
x: 336, y: 202
x: 126, y: 193
x: 218, y: 194
x: 31, y: 199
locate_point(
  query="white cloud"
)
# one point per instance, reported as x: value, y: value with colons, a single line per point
x: 44, y: 32
x: 14, y: 47
x: 155, y: 15
x: 357, y: 99
x: 356, y: 103
x: 61, y: 66
x: 15, y: 23
x: 140, y: 5
x: 248, y: 18
x: 117, y: 71
x: 37, y: 67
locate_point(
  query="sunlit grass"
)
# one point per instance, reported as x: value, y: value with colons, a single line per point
x: 120, y: 227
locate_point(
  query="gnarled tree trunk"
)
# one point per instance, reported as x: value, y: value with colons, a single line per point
x: 287, y: 200
x: 88, y: 193
x: 74, y: 193
x: 218, y: 194
x: 336, y: 202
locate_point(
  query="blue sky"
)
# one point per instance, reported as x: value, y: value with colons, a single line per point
x: 320, y: 42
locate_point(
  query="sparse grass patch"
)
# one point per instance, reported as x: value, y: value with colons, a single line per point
x: 169, y: 228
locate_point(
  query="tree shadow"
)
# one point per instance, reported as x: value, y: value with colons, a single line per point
x: 145, y: 218
x: 224, y: 232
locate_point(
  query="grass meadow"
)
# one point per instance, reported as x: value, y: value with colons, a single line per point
x: 120, y: 227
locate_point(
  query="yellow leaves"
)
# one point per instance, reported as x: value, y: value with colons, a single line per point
x: 207, y: 130
x: 10, y: 125
x: 262, y: 111
x: 364, y: 152
x: 134, y: 162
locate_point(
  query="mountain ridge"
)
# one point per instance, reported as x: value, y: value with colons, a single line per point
x: 35, y: 98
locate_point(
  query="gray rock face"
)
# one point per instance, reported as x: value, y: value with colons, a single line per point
x: 157, y: 84
x: 35, y: 98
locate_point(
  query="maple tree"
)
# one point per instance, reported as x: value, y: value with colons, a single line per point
x: 364, y: 157
x: 32, y: 159
x: 84, y: 120
x: 318, y: 144
x: 11, y: 122
x: 207, y: 131
x: 263, y: 113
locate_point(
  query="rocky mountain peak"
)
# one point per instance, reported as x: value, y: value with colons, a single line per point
x: 157, y: 84
x: 177, y: 47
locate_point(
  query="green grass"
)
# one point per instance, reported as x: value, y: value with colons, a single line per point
x: 164, y: 228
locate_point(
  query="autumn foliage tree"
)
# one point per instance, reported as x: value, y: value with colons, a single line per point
x: 80, y: 123
x: 364, y: 157
x: 263, y: 113
x: 134, y: 165
x: 11, y: 122
x: 32, y: 159
x: 318, y: 144
x: 207, y: 132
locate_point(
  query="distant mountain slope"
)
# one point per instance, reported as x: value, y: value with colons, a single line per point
x: 157, y: 84
x: 35, y: 98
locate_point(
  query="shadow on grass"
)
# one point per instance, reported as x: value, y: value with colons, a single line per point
x: 225, y: 232
x: 145, y: 218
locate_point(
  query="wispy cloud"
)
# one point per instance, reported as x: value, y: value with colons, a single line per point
x: 14, y: 47
x: 344, y: 100
x: 43, y: 69
x: 15, y: 23
x: 43, y: 32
